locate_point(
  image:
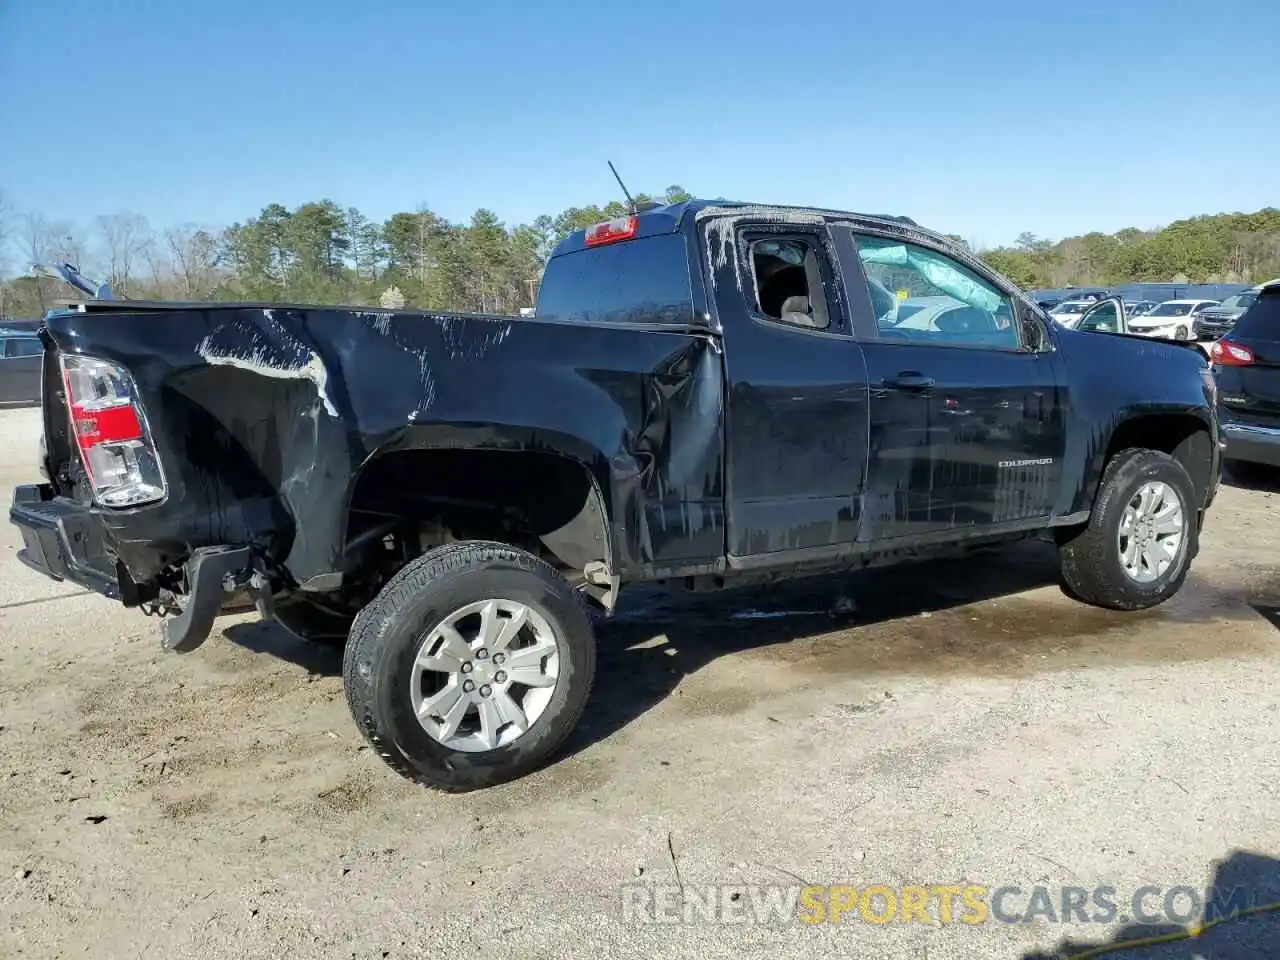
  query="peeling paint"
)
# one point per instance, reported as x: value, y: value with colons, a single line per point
x: 723, y: 226
x: 258, y: 362
x: 282, y: 358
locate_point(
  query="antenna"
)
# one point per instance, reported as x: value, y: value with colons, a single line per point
x: 625, y: 192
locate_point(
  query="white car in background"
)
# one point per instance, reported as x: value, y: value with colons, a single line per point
x: 1069, y: 312
x: 1171, y: 320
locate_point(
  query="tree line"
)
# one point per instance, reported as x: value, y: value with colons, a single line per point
x: 317, y: 252
x: 321, y: 252
x: 1224, y: 248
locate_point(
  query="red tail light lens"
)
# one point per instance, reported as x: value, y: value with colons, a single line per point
x: 111, y: 433
x: 611, y: 231
x: 1227, y: 354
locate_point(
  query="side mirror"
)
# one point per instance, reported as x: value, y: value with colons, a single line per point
x: 1034, y: 334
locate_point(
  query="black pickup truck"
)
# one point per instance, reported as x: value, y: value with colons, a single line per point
x: 713, y: 394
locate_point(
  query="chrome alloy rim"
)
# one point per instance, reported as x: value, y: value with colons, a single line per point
x: 1152, y: 528
x: 484, y: 675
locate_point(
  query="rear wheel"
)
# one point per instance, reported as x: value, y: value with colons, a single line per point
x: 1137, y: 546
x: 1182, y: 333
x: 471, y: 666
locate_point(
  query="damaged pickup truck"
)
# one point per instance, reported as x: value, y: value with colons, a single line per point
x: 711, y: 394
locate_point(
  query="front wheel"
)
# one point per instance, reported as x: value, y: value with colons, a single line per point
x: 1182, y: 333
x: 471, y: 666
x: 1137, y: 546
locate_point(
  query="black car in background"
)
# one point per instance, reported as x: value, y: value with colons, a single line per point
x: 1215, y: 322
x: 1246, y: 364
x: 21, y: 356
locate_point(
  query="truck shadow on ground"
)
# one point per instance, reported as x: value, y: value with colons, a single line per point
x: 938, y: 618
x: 1252, y: 476
x: 1237, y: 917
x: 935, y: 618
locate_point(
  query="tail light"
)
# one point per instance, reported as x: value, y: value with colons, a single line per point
x: 1227, y: 354
x: 111, y: 432
x: 611, y: 231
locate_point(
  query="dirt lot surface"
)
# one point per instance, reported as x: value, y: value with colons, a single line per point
x: 963, y: 723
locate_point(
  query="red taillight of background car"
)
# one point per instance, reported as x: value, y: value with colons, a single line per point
x: 1227, y: 354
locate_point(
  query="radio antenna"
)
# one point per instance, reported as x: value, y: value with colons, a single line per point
x: 625, y: 192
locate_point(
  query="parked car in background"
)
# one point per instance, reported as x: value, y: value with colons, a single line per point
x: 1171, y: 320
x: 1246, y: 366
x: 1216, y: 321
x: 21, y: 356
x: 1136, y: 308
x: 1069, y: 312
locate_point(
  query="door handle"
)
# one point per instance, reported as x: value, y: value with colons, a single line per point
x: 909, y: 381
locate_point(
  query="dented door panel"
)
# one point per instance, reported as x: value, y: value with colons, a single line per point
x: 981, y: 445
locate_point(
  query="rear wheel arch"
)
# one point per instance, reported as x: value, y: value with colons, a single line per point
x: 546, y: 501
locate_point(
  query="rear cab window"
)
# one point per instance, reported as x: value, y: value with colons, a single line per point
x: 645, y: 280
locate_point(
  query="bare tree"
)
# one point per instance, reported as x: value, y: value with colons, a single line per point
x: 41, y: 240
x: 39, y: 237
x: 193, y: 253
x: 125, y: 236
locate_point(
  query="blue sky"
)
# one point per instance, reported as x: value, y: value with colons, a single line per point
x: 982, y: 118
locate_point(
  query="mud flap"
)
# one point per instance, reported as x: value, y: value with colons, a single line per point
x: 206, y: 572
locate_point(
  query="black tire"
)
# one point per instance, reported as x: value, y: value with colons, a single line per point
x: 386, y: 636
x: 1091, y: 563
x: 1181, y: 334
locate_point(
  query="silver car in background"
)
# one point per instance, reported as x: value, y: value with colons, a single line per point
x: 1171, y: 320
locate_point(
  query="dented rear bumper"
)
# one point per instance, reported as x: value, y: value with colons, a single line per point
x: 63, y: 539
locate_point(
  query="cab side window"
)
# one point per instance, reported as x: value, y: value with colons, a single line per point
x: 924, y: 296
x: 789, y: 282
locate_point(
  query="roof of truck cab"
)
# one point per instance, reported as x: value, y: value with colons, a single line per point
x: 668, y: 218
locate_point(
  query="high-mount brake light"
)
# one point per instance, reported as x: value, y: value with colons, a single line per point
x: 111, y: 433
x: 611, y: 231
x: 1227, y: 354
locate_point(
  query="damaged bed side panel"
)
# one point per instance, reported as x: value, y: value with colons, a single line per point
x: 264, y: 417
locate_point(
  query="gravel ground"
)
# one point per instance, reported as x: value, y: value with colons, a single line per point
x: 963, y: 723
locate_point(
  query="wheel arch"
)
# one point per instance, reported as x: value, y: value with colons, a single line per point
x: 1184, y: 435
x: 537, y: 489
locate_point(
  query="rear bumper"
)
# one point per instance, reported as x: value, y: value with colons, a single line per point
x: 62, y: 539
x: 1250, y: 443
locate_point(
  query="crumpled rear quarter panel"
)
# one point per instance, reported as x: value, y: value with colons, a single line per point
x: 265, y: 416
